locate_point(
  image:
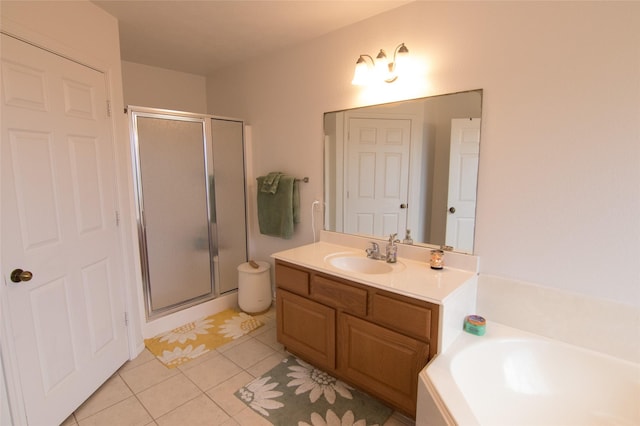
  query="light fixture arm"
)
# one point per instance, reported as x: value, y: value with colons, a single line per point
x: 370, y: 62
x: 361, y: 59
x: 401, y: 48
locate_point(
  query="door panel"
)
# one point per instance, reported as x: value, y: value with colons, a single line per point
x: 37, y: 210
x: 86, y: 183
x: 24, y: 86
x: 100, y: 320
x: 52, y: 328
x: 79, y: 100
x: 58, y: 221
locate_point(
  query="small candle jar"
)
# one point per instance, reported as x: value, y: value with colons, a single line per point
x: 475, y: 324
x: 437, y: 259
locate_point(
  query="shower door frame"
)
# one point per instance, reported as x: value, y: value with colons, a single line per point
x: 207, y: 141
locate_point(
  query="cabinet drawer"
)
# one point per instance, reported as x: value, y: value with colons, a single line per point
x: 339, y: 295
x: 292, y: 279
x: 405, y: 317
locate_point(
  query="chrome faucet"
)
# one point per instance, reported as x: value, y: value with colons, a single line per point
x: 373, y: 252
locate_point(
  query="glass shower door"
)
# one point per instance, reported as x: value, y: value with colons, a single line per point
x: 173, y: 177
x: 230, y: 217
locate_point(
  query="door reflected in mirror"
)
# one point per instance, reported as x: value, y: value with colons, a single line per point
x: 405, y: 166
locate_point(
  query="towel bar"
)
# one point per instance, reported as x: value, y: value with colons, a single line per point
x: 304, y: 179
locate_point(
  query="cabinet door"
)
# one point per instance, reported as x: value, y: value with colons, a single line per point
x: 383, y: 362
x: 307, y: 329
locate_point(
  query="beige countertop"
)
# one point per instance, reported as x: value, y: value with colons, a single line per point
x: 409, y: 277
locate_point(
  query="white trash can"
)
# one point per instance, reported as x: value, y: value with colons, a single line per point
x: 254, y: 287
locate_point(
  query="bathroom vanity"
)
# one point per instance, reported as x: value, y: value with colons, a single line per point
x: 372, y: 324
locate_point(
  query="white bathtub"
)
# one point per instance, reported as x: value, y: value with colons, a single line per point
x: 511, y: 377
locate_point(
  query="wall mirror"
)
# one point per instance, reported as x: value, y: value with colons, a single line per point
x: 409, y: 165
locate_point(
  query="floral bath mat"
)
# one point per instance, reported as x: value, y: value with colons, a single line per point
x: 196, y: 338
x: 295, y: 393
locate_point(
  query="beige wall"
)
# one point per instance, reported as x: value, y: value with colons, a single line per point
x: 154, y: 87
x: 559, y: 198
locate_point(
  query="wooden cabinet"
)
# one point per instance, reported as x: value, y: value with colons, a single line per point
x: 374, y: 339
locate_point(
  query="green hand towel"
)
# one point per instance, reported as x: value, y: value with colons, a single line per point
x: 270, y: 182
x: 278, y: 212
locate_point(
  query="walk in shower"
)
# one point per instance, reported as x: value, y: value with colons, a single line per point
x: 190, y: 195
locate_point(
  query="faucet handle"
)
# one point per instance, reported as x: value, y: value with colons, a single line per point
x: 373, y: 251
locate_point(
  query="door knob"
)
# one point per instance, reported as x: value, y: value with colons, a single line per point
x: 452, y: 209
x: 18, y: 275
x: 403, y: 206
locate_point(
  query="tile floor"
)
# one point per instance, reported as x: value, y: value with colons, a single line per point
x: 201, y: 392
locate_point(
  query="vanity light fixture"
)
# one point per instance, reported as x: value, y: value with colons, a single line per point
x: 369, y: 70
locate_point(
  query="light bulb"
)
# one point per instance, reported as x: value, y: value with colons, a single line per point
x: 362, y: 73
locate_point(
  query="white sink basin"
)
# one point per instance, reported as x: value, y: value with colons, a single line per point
x: 360, y: 264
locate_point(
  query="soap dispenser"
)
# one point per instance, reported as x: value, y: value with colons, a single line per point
x: 392, y: 249
x: 407, y: 237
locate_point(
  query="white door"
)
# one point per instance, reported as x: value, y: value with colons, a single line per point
x: 378, y: 176
x: 58, y: 197
x: 463, y: 182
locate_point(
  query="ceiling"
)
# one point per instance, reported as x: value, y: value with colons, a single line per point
x: 200, y: 37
